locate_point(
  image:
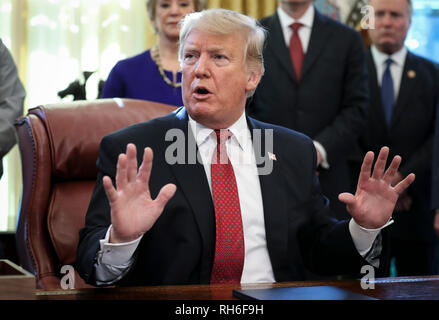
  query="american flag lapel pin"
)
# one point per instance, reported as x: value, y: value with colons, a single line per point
x: 272, y: 156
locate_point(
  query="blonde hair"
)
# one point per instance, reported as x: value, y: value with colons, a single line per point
x: 225, y: 22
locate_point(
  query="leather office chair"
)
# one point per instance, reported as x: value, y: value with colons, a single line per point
x: 59, y: 146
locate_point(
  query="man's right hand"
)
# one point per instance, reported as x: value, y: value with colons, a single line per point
x: 133, y: 211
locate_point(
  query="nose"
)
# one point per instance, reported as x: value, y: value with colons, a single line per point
x: 387, y: 19
x: 202, y: 69
x: 175, y: 8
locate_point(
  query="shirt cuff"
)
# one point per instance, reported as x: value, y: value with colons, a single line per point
x: 117, y: 254
x: 324, y: 163
x: 364, y: 238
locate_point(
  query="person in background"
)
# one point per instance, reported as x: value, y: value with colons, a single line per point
x: 404, y: 93
x: 12, y: 96
x: 225, y: 217
x: 315, y: 83
x: 154, y: 75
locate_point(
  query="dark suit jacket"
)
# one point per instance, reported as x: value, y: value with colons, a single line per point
x: 179, y: 249
x: 435, y: 186
x: 410, y: 135
x: 329, y: 104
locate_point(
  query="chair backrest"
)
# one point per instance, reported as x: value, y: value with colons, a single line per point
x: 59, y: 146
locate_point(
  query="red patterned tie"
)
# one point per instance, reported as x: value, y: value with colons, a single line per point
x: 229, y: 246
x: 296, y: 50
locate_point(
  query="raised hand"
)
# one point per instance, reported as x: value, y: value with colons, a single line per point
x: 133, y: 211
x: 375, y: 197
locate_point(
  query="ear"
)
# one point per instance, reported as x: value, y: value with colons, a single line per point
x: 253, y: 79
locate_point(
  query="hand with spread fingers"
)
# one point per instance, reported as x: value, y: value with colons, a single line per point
x: 133, y: 211
x: 375, y: 198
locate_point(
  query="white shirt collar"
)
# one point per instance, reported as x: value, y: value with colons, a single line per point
x: 398, y: 57
x: 239, y: 130
x: 306, y: 20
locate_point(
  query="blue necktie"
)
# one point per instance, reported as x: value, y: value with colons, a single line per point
x: 387, y: 91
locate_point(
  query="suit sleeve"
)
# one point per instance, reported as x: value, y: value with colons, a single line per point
x: 12, y: 95
x: 340, y: 136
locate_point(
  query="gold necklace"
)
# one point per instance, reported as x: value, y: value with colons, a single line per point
x: 155, y: 55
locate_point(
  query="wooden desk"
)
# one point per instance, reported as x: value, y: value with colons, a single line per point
x: 407, y: 288
x: 217, y: 301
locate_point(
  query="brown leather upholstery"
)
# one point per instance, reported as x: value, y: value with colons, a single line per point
x: 59, y: 146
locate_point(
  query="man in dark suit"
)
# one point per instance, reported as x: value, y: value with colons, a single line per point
x: 404, y: 91
x: 219, y: 217
x: 323, y: 95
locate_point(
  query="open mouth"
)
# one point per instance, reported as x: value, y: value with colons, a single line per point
x: 202, y: 91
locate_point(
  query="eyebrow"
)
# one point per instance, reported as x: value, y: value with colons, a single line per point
x: 385, y: 11
x: 212, y: 49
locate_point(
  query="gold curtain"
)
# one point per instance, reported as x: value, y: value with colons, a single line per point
x: 255, y: 8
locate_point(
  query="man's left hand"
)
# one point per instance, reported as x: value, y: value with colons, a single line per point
x: 375, y: 198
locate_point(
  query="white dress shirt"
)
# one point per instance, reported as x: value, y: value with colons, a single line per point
x: 306, y: 20
x: 396, y: 68
x: 114, y: 260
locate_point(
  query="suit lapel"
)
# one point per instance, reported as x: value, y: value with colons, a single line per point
x: 406, y: 89
x: 278, y: 47
x: 193, y: 184
x: 276, y: 220
x: 320, y: 35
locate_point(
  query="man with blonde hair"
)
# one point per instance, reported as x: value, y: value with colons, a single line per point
x: 220, y: 220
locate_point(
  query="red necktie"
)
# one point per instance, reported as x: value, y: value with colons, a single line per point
x: 296, y: 50
x: 229, y: 246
